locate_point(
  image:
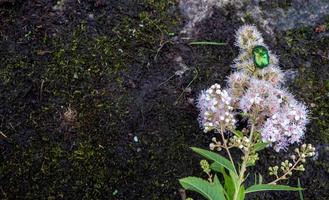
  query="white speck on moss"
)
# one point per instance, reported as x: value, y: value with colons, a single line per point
x: 135, y: 139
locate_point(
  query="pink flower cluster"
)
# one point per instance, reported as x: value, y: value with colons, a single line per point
x: 263, y: 96
x: 281, y: 119
x: 286, y: 126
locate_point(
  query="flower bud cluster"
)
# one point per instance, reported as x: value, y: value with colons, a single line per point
x: 252, y: 158
x: 304, y: 152
x: 215, y: 145
x: 215, y: 109
x: 205, y: 166
x: 285, y: 167
x: 298, y: 159
x: 273, y: 170
x: 242, y: 143
x: 206, y: 169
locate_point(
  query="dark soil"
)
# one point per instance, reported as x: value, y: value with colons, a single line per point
x: 91, y: 108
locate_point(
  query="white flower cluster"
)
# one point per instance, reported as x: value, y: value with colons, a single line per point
x: 281, y: 120
x: 215, y: 109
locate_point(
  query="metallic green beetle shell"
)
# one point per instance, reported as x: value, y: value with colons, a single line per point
x: 260, y: 56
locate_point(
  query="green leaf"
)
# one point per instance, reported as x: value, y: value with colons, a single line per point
x: 260, y: 146
x: 211, y: 191
x: 229, y: 185
x: 216, y: 158
x: 217, y: 167
x: 208, y: 43
x: 301, y: 197
x: 237, y: 133
x: 266, y: 187
x: 235, y: 179
x: 242, y: 193
x: 231, y: 181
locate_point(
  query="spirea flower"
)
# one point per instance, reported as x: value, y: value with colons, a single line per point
x: 276, y: 108
x: 215, y: 109
x: 237, y: 83
x: 244, y: 63
x: 272, y: 74
x: 247, y: 37
x: 269, y: 116
x: 258, y: 93
x: 287, y: 126
x: 261, y: 95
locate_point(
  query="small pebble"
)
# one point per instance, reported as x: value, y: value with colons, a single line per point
x: 190, y: 101
x: 91, y: 16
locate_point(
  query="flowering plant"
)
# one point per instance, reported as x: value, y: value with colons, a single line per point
x: 274, y: 118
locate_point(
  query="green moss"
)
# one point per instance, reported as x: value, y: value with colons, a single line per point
x: 315, y: 92
x: 87, y: 72
x: 311, y: 84
x: 249, y: 19
x: 284, y: 4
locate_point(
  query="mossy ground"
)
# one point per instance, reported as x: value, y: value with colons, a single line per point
x: 78, y: 85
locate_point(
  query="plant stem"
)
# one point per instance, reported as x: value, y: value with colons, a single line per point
x: 225, y: 145
x: 244, y: 164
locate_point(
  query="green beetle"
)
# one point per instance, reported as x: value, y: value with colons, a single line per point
x: 261, y: 56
